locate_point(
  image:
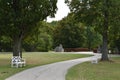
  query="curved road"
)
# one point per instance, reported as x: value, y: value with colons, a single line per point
x: 55, y: 71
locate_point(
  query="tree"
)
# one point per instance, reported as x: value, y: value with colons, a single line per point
x: 18, y: 18
x: 5, y: 44
x: 41, y: 39
x: 93, y: 38
x: 101, y: 13
x: 69, y: 33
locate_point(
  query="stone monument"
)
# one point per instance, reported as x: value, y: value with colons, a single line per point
x: 59, y: 48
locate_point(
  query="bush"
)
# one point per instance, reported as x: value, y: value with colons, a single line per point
x: 75, y: 49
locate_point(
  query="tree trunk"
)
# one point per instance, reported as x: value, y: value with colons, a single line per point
x: 105, y: 34
x: 17, y: 46
x: 105, y: 47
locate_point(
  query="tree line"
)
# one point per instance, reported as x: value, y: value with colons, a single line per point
x: 91, y: 23
x: 49, y: 35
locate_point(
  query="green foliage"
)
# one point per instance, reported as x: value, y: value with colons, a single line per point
x: 93, y: 38
x: 115, y: 46
x: 69, y: 33
x: 94, y: 15
x: 85, y: 11
x: 5, y: 44
x: 18, y: 18
x: 103, y: 14
x: 41, y: 40
x: 44, y: 42
x: 73, y: 34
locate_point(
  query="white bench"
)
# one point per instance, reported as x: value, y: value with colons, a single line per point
x: 94, y: 60
x: 17, y: 61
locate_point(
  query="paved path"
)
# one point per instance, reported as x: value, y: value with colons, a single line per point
x: 55, y: 71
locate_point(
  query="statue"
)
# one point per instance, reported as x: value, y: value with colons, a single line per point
x: 59, y: 48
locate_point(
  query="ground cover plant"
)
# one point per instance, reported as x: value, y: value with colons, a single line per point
x: 33, y: 59
x: 101, y: 71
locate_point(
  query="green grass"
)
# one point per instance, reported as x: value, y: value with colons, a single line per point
x: 100, y: 71
x: 33, y: 59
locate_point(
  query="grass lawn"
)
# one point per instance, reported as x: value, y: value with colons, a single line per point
x: 32, y: 59
x: 100, y: 71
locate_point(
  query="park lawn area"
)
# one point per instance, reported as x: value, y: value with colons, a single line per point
x: 32, y: 59
x: 100, y: 71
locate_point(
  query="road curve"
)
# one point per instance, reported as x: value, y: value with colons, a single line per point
x: 54, y: 71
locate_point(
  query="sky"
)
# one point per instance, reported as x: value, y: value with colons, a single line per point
x: 62, y: 11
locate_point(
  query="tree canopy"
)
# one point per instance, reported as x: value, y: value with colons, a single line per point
x: 69, y: 33
x: 19, y: 17
x: 104, y: 14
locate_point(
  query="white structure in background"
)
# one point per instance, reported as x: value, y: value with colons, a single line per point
x: 94, y: 60
x: 59, y: 48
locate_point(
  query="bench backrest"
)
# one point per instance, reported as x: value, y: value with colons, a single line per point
x: 16, y: 59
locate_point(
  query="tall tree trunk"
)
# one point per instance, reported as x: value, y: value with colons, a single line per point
x: 105, y: 33
x: 105, y: 47
x: 17, y: 38
x: 17, y: 46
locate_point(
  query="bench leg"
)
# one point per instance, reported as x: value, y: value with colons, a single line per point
x: 17, y: 65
